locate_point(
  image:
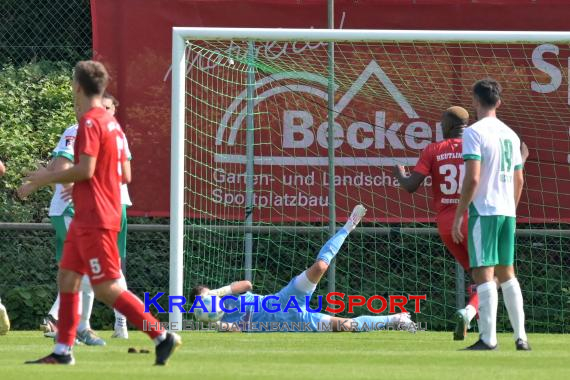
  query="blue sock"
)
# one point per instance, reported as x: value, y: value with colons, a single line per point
x: 371, y: 322
x: 332, y: 246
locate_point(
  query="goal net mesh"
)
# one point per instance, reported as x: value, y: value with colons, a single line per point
x: 388, y: 100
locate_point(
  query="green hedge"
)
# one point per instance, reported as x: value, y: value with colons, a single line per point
x: 400, y: 264
x: 28, y: 282
x: 35, y: 108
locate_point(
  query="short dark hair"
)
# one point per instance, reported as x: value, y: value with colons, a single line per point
x: 454, y: 117
x: 92, y: 76
x: 488, y: 91
x: 107, y: 95
x: 196, y: 291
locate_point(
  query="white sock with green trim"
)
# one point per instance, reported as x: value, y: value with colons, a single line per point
x: 488, y: 304
x: 512, y: 295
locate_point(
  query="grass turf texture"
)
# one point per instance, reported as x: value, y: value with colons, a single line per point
x: 209, y: 355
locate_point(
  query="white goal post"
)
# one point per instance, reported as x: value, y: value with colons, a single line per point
x: 180, y: 36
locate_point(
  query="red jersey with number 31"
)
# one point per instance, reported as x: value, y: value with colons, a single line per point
x: 444, y: 162
x: 97, y: 200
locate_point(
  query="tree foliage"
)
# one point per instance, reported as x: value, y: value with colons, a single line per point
x: 35, y: 108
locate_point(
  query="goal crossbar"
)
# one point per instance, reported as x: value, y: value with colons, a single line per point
x: 180, y: 37
x: 364, y: 35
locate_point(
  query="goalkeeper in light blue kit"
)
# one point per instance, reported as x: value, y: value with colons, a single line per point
x: 302, y: 288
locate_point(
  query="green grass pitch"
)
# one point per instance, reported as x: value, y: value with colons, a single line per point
x: 377, y: 355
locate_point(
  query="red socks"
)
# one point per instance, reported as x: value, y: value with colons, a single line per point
x: 131, y: 307
x: 68, y: 318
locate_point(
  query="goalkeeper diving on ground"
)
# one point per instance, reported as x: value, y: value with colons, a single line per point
x: 301, y: 288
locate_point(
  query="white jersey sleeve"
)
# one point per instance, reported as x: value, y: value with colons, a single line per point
x: 125, y: 198
x: 64, y: 148
x: 126, y: 148
x: 471, y: 145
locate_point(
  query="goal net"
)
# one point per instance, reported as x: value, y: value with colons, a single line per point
x: 252, y: 189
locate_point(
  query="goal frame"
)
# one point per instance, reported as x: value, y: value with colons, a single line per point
x: 182, y: 34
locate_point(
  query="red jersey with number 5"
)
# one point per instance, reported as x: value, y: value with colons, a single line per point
x: 97, y: 200
x: 444, y: 162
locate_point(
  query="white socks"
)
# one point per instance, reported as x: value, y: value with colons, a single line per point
x: 514, y: 302
x: 120, y: 320
x: 87, y: 303
x: 470, y: 312
x: 54, y: 311
x: 488, y: 304
x: 303, y: 284
x: 355, y: 217
x: 62, y: 349
x: 159, y: 339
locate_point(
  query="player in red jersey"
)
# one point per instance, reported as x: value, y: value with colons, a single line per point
x: 444, y: 162
x: 91, y: 244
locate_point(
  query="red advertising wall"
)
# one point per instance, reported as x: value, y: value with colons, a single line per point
x: 133, y: 39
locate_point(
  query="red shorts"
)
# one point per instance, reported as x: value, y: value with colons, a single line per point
x: 93, y: 252
x: 459, y: 251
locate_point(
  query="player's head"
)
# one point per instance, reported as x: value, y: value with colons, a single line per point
x: 90, y: 79
x: 453, y: 121
x: 110, y: 103
x: 487, y: 94
x: 198, y: 290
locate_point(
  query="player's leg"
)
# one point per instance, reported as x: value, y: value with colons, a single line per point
x: 120, y: 327
x: 4, y: 320
x: 510, y: 286
x: 305, y: 284
x: 84, y: 332
x: 60, y: 225
x: 483, y: 256
x: 71, y: 269
x: 333, y: 245
x: 463, y: 317
x: 102, y: 254
x: 86, y: 297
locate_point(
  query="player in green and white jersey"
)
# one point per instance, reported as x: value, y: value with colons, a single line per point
x: 60, y: 213
x: 491, y: 190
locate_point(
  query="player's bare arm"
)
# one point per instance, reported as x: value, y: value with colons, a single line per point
x: 237, y: 287
x: 2, y: 169
x: 518, y: 182
x: 470, y: 184
x: 37, y: 179
x: 58, y: 164
x: 524, y: 152
x: 409, y: 183
x: 126, y: 171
